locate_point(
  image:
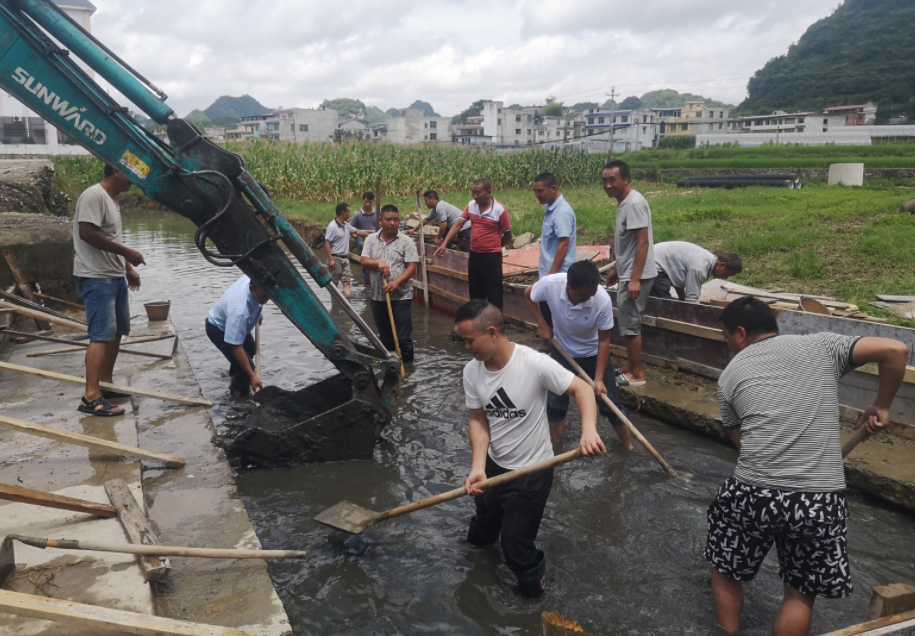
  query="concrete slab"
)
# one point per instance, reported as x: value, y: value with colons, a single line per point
x: 197, y: 506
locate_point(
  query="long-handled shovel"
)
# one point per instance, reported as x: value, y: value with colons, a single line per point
x: 349, y: 517
x: 857, y: 437
x: 8, y: 563
x: 387, y: 298
x: 619, y: 414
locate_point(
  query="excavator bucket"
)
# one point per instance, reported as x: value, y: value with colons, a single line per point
x: 327, y: 421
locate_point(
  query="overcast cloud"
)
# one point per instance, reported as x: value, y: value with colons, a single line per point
x: 300, y: 52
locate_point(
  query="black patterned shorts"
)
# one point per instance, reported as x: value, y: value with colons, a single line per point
x: 808, y: 529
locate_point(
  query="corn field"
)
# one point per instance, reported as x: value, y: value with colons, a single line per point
x: 339, y: 172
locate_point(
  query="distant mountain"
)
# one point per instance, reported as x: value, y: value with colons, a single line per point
x: 862, y: 53
x: 663, y: 97
x: 347, y: 107
x: 227, y: 111
x: 581, y: 107
x: 199, y: 119
x: 392, y: 112
x: 426, y: 107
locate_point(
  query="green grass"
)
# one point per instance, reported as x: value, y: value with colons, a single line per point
x: 850, y: 243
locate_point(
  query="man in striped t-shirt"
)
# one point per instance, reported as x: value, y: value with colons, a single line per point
x: 779, y: 401
x: 491, y: 229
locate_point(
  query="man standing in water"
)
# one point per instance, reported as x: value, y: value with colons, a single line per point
x: 506, y: 388
x: 635, y: 268
x: 336, y: 245
x: 229, y: 325
x: 779, y: 401
x: 491, y: 229
x: 391, y: 259
x: 103, y: 270
x: 582, y: 320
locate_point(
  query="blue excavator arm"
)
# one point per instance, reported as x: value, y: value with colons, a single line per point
x: 238, y: 223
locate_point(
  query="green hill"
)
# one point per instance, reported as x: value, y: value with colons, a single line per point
x: 228, y: 111
x: 347, y: 107
x: 862, y: 53
x: 663, y: 97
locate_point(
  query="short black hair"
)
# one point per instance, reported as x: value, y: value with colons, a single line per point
x: 583, y: 275
x: 370, y: 196
x: 108, y: 171
x: 482, y: 313
x: 622, y: 165
x: 389, y: 208
x: 732, y: 262
x: 546, y: 178
x: 486, y: 184
x: 431, y: 194
x: 341, y: 208
x: 752, y: 314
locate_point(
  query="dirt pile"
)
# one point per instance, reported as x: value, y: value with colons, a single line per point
x: 28, y: 186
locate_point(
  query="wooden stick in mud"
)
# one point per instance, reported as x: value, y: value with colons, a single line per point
x: 422, y: 250
x: 257, y: 349
x: 377, y: 203
x: 616, y: 411
x: 65, y: 303
x: 41, y: 316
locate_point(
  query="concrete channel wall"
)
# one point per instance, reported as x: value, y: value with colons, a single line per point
x: 195, y: 506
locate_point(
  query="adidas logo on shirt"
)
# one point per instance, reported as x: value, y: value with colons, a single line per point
x: 501, y: 406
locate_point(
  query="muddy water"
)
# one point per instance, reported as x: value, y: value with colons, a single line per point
x: 623, y: 541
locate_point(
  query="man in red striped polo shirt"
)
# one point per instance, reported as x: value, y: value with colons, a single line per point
x: 490, y: 229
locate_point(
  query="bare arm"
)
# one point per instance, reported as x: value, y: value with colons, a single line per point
x: 92, y: 235
x: 591, y: 443
x: 641, y: 255
x: 735, y: 437
x: 546, y: 332
x: 450, y: 237
x: 442, y: 232
x: 890, y: 356
x: 613, y: 277
x: 400, y: 280
x: 562, y: 250
x: 506, y: 237
x: 479, y: 445
x: 242, y: 359
x: 383, y: 268
x: 330, y: 257
x: 603, y: 357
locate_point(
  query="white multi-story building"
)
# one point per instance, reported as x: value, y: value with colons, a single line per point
x: 508, y: 126
x: 24, y: 132
x: 411, y: 126
x: 777, y: 122
x: 307, y: 124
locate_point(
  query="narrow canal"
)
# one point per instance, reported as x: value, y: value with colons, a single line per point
x: 623, y: 540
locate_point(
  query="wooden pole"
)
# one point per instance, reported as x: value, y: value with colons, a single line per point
x: 41, y: 316
x: 21, y: 281
x: 387, y: 298
x: 377, y: 202
x: 422, y: 250
x: 81, y: 345
x: 857, y: 437
x: 102, y: 619
x: 138, y: 529
x: 94, y: 443
x: 34, y: 306
x: 51, y: 352
x: 257, y: 349
x: 50, y: 375
x: 19, y: 494
x: 158, y: 550
x: 613, y: 407
x: 65, y: 303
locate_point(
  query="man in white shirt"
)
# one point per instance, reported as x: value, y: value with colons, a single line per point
x: 582, y: 319
x: 506, y: 387
x: 336, y: 245
x: 685, y: 267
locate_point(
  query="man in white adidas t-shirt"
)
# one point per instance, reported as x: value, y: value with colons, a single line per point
x: 506, y: 387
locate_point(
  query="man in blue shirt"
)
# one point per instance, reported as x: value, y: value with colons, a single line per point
x: 557, y: 238
x: 229, y: 325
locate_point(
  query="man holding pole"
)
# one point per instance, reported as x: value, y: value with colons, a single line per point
x: 779, y: 401
x: 582, y: 320
x: 506, y: 388
x: 445, y: 216
x: 390, y: 256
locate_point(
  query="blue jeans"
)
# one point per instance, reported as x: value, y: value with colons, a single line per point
x: 107, y: 307
x: 558, y: 405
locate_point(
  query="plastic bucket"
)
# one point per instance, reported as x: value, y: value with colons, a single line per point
x: 158, y: 311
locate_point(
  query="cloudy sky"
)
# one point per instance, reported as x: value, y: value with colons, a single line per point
x: 300, y: 52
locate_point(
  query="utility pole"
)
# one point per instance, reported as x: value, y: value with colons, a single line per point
x: 612, y: 114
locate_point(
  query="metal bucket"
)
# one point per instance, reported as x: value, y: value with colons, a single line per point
x: 158, y: 311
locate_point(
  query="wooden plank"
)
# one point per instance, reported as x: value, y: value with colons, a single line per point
x: 94, y: 443
x: 647, y: 358
x: 896, y: 299
x: 61, y: 301
x: 28, y: 304
x: 137, y: 527
x: 450, y: 273
x: 50, y: 375
x: 132, y: 352
x: 422, y: 251
x: 19, y: 494
x: 104, y: 619
x: 887, y: 600
x: 876, y: 627
x: 873, y: 369
x: 21, y: 281
x: 41, y: 316
x: 699, y: 369
x: 707, y: 333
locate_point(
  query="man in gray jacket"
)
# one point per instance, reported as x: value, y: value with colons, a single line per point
x: 685, y: 267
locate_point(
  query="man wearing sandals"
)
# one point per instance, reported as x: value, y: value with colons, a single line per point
x: 103, y: 270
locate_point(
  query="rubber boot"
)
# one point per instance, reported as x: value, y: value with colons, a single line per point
x: 533, y: 582
x: 476, y: 536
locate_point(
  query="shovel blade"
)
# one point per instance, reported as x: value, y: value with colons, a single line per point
x: 7, y: 560
x: 348, y: 517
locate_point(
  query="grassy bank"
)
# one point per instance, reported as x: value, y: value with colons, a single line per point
x: 851, y: 243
